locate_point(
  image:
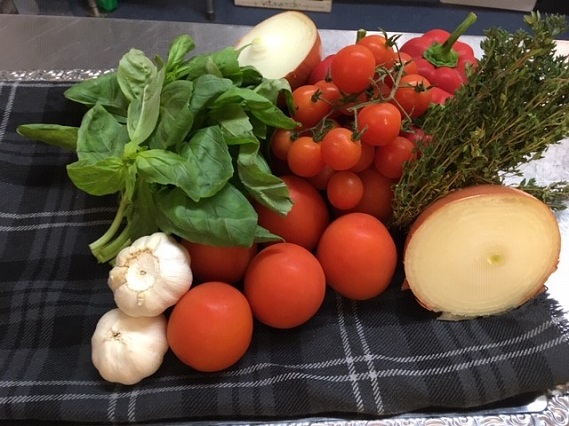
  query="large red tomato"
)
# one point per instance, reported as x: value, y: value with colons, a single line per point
x: 285, y: 285
x: 215, y: 263
x: 358, y: 256
x: 211, y: 327
x: 307, y: 218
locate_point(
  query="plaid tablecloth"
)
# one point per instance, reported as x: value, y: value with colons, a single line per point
x: 380, y: 357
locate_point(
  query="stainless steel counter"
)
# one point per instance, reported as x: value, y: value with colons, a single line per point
x: 66, y: 45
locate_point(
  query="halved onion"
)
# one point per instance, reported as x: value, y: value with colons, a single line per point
x: 286, y: 45
x: 480, y: 251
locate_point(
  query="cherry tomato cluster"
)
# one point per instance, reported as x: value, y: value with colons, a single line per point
x: 359, y: 111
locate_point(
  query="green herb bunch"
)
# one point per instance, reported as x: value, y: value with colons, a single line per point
x: 180, y: 143
x: 512, y: 108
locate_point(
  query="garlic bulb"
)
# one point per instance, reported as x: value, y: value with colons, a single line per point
x: 125, y: 349
x: 150, y: 275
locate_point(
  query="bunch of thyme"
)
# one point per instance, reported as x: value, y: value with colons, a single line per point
x: 513, y: 107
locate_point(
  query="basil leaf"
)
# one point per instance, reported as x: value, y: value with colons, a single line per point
x: 263, y: 235
x: 100, y: 135
x: 104, y: 90
x: 251, y: 77
x: 261, y: 107
x: 168, y: 168
x: 54, y: 134
x: 134, y: 73
x: 101, y: 178
x: 223, y: 63
x: 210, y: 158
x: 257, y: 178
x: 272, y: 89
x: 206, y: 89
x: 179, y: 48
x: 143, y: 111
x: 234, y: 121
x: 225, y: 219
x: 176, y: 119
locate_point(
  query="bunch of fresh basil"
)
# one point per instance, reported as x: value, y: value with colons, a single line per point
x: 181, y: 142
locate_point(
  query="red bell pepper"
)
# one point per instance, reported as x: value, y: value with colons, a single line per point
x: 441, y: 58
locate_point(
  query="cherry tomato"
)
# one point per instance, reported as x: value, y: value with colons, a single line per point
x: 309, y: 107
x: 320, y: 181
x: 377, y: 197
x: 389, y: 159
x: 380, y: 123
x: 215, y: 263
x: 413, y: 96
x: 306, y: 220
x: 285, y: 285
x: 345, y: 190
x: 339, y: 150
x: 305, y: 157
x: 366, y: 158
x: 381, y: 49
x: 353, y: 68
x: 405, y: 61
x: 358, y: 256
x: 322, y: 70
x: 281, y: 141
x: 329, y: 92
x: 211, y: 327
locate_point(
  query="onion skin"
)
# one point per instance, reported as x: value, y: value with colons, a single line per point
x: 460, y: 195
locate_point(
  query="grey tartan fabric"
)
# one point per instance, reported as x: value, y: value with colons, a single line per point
x: 381, y: 357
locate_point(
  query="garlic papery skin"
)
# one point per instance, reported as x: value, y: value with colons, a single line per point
x: 125, y: 349
x: 150, y: 275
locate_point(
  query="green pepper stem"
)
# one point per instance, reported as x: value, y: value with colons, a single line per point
x: 360, y: 34
x: 460, y: 30
x: 443, y: 55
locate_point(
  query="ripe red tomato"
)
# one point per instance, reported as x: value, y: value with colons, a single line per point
x: 320, y: 181
x: 281, y: 141
x: 329, y: 92
x: 381, y: 49
x: 389, y: 159
x: 285, y: 285
x: 309, y: 108
x: 353, y: 68
x: 345, y: 190
x: 215, y: 263
x: 306, y: 220
x: 366, y: 158
x: 413, y: 96
x: 382, y: 123
x: 358, y: 256
x: 211, y: 327
x: 405, y: 61
x: 339, y: 150
x: 378, y: 195
x: 304, y: 157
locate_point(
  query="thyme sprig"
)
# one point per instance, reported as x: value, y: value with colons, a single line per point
x: 513, y: 107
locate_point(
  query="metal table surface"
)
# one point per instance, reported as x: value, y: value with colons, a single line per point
x: 64, y: 45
